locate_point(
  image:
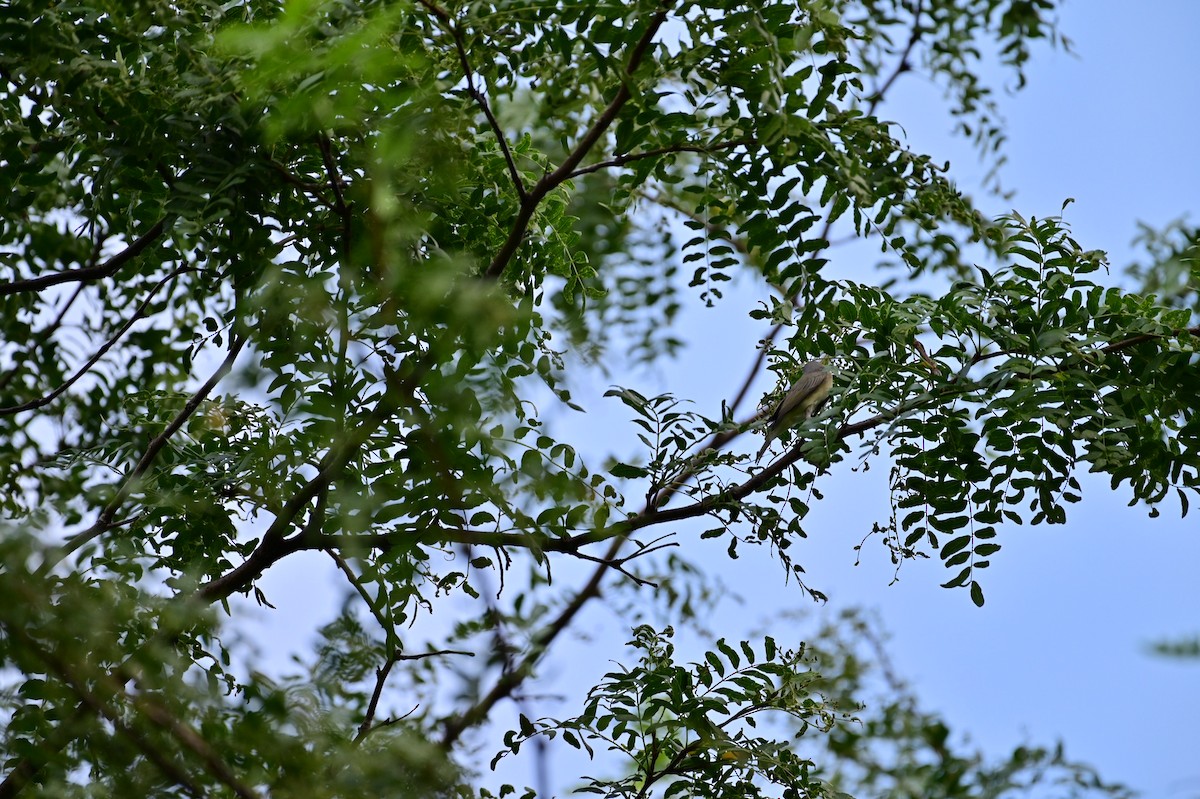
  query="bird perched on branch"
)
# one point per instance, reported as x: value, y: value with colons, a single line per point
x: 803, y: 399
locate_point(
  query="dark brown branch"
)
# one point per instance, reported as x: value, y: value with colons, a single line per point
x: 91, y: 273
x: 339, y: 198
x: 381, y: 676
x: 108, y: 345
x: 652, y: 515
x: 274, y: 545
x: 621, y: 160
x: 314, y: 189
x: 1125, y: 344
x: 512, y: 679
x: 903, y: 64
x: 478, y: 96
x: 553, y: 179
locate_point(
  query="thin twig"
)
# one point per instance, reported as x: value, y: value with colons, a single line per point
x: 902, y: 65
x: 381, y: 675
x: 621, y: 160
x: 100, y: 353
x: 339, y: 198
x: 478, y: 96
x: 553, y: 179
x: 105, y: 521
x: 389, y: 627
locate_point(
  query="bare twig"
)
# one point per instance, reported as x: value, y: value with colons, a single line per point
x: 381, y: 675
x: 618, y: 564
x: 902, y: 65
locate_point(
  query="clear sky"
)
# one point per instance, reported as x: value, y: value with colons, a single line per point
x: 1059, y: 650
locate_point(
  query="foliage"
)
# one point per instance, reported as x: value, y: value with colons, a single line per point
x: 305, y: 277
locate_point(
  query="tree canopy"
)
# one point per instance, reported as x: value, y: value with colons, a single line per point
x: 310, y: 276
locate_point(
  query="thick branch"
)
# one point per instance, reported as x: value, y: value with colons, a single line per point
x: 91, y: 273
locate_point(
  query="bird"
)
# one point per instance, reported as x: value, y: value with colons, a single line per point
x: 802, y: 401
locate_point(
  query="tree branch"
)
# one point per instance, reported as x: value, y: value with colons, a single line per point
x: 273, y: 545
x: 621, y: 160
x: 902, y: 65
x: 42, y: 336
x: 339, y: 198
x: 478, y: 96
x: 92, y: 273
x: 617, y: 534
x: 553, y: 179
x: 105, y: 521
x: 156, y: 714
x: 108, y: 345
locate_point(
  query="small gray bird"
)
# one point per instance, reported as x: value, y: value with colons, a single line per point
x: 804, y: 398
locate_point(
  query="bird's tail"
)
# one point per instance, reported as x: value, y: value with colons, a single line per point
x: 766, y: 443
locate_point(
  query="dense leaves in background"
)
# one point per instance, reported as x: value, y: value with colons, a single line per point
x: 285, y: 277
